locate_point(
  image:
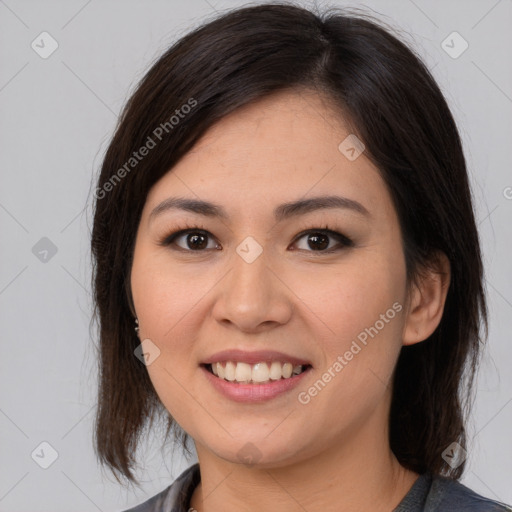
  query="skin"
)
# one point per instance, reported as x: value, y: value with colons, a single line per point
x: 332, y: 453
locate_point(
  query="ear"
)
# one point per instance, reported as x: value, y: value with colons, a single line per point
x: 426, y: 300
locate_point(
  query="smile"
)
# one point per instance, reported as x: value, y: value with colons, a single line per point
x: 259, y: 373
x: 249, y: 391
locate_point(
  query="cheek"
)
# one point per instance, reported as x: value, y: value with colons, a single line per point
x: 164, y: 296
x: 166, y: 304
x: 351, y: 298
x: 360, y: 351
x: 359, y: 311
x: 167, y: 307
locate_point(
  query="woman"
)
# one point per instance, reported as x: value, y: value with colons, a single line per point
x: 284, y: 217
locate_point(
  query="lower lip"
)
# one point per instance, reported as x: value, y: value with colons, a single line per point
x: 254, y: 392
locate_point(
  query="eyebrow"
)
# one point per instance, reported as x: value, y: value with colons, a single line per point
x: 281, y: 212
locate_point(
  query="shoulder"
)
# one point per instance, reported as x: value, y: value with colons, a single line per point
x: 447, y: 495
x: 175, y: 497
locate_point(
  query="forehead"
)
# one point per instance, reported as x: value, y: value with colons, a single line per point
x: 285, y: 126
x: 283, y: 147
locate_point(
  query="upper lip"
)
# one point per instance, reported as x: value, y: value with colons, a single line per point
x: 254, y: 357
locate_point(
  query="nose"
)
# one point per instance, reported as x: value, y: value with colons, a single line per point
x: 253, y: 297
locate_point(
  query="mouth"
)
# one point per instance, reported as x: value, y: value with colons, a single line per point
x: 263, y: 372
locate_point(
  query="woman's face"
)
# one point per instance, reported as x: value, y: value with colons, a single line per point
x: 248, y: 282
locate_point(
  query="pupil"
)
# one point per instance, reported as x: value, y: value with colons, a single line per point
x: 315, y: 239
x: 193, y: 239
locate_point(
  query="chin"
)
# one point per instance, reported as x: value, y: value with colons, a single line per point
x: 257, y: 452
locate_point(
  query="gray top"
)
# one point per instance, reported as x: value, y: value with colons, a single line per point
x: 428, y: 494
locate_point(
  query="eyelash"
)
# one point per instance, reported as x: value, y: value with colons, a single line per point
x: 343, y: 241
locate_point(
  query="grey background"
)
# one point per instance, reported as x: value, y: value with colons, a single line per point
x: 57, y: 115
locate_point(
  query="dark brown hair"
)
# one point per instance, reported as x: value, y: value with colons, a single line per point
x: 388, y: 98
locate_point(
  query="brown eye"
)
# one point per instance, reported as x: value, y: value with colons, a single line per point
x: 320, y: 241
x: 196, y: 241
x: 193, y: 240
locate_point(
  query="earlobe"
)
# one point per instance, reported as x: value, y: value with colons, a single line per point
x: 427, y: 300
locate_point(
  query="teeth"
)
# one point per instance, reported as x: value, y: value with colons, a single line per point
x: 297, y: 369
x: 275, y: 370
x: 260, y: 372
x: 230, y: 371
x: 220, y: 370
x: 256, y: 373
x: 243, y: 372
